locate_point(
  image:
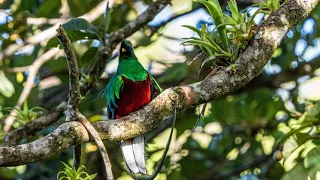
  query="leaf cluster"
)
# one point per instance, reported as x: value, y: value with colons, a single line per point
x: 70, y: 173
x: 26, y: 114
x: 231, y: 33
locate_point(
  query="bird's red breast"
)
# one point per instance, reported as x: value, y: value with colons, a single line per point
x: 133, y: 96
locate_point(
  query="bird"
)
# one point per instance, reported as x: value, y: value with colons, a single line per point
x: 129, y: 89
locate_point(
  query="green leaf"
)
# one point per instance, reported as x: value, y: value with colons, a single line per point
x: 314, y: 171
x: 234, y: 9
x: 107, y: 19
x: 193, y: 29
x: 78, y: 24
x: 72, y: 174
x: 275, y: 4
x: 88, y: 55
x: 302, y: 138
x: 298, y: 172
x: 313, y: 157
x: 214, y: 44
x: 217, y: 15
x: 210, y: 59
x: 229, y: 21
x: 200, y: 42
x: 49, y: 8
x: 314, y: 112
x: 6, y: 87
x: 77, y: 29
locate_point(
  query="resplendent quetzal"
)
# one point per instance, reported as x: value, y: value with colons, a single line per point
x: 128, y: 90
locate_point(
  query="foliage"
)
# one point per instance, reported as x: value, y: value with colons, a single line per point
x: 231, y: 33
x: 25, y: 115
x: 70, y: 173
x: 78, y: 29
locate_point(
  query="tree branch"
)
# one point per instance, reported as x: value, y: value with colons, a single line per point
x: 74, y: 87
x: 14, y: 136
x: 74, y: 101
x: 44, y: 21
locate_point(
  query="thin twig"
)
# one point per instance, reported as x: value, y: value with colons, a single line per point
x: 16, y: 69
x: 102, y: 149
x: 74, y: 101
x: 44, y: 21
x: 74, y: 85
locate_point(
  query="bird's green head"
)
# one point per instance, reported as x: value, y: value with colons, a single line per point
x: 126, y: 50
x: 128, y: 62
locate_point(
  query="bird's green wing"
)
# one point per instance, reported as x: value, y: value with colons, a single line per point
x: 112, y: 91
x: 153, y: 80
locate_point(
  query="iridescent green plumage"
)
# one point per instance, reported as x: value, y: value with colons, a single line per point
x: 130, y: 68
x: 129, y: 89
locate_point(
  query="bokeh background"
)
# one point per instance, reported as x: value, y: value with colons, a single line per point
x: 244, y: 135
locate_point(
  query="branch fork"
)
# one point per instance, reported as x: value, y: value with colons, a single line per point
x: 73, y: 112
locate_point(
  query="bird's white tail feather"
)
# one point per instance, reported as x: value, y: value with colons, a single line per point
x: 133, y: 153
x: 138, y: 151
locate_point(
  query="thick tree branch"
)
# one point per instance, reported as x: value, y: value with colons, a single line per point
x: 248, y: 65
x: 14, y: 136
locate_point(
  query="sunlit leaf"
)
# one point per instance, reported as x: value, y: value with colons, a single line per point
x: 232, y: 4
x: 6, y: 87
x: 298, y: 172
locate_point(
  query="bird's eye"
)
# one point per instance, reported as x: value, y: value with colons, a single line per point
x: 123, y: 50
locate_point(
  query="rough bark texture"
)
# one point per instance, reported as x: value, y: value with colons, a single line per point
x: 13, y: 137
x: 52, y: 144
x: 248, y: 65
x: 74, y: 85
